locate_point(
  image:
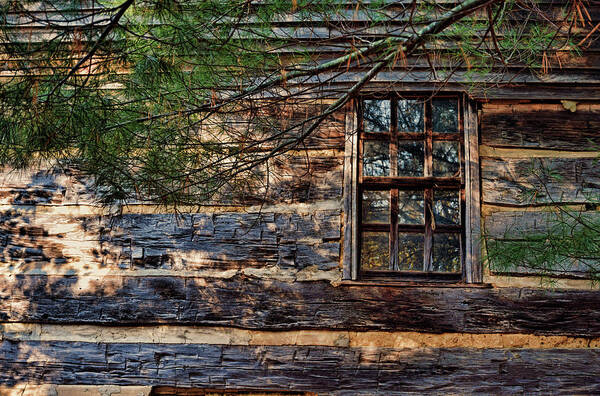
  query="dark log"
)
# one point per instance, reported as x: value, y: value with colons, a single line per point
x: 271, y: 304
x: 331, y: 370
x: 511, y: 181
x: 541, y: 129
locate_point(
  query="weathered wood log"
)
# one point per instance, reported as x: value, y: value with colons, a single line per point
x: 519, y: 227
x: 184, y: 242
x: 516, y: 224
x: 308, y: 176
x: 328, y: 135
x: 271, y: 304
x: 512, y: 181
x: 46, y: 186
x: 546, y: 128
x: 334, y: 370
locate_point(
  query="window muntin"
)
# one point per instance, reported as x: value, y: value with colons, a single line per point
x: 410, y: 187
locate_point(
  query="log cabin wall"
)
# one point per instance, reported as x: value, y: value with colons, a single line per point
x: 250, y: 298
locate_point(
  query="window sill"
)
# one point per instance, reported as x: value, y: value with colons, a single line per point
x: 409, y: 283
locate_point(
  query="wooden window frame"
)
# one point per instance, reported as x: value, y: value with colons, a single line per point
x: 467, y: 183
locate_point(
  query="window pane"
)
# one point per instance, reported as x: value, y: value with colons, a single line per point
x: 445, y: 115
x: 410, y: 158
x: 374, y: 252
x: 446, y: 252
x: 376, y: 158
x: 446, y: 207
x: 410, y: 116
x: 410, y: 207
x: 445, y: 159
x: 376, y: 207
x: 376, y: 115
x: 410, y: 252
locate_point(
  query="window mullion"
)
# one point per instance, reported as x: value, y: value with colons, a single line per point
x: 428, y: 170
x: 394, y: 191
x: 428, y: 141
x: 394, y: 265
x: 428, y: 243
x: 394, y: 139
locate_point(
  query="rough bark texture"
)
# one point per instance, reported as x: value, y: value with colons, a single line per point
x: 168, y: 242
x: 545, y: 126
x: 330, y: 370
x: 510, y: 181
x: 307, y: 176
x: 270, y: 304
x: 514, y: 224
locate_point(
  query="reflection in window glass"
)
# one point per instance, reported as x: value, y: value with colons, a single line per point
x: 410, y: 252
x: 376, y: 158
x: 445, y: 159
x: 374, y: 252
x: 446, y: 252
x: 410, y: 116
x: 410, y: 207
x: 446, y: 207
x: 405, y: 144
x: 445, y: 115
x: 411, y: 157
x: 376, y: 115
x: 376, y: 207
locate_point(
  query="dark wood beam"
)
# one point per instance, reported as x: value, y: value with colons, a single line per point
x: 270, y: 304
x: 330, y: 370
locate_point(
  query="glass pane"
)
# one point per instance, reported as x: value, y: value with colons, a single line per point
x: 446, y: 207
x: 410, y: 207
x: 376, y: 207
x: 376, y: 158
x: 376, y: 115
x: 374, y: 252
x: 446, y: 252
x: 445, y: 159
x: 410, y: 158
x: 410, y: 252
x: 410, y: 116
x: 445, y: 115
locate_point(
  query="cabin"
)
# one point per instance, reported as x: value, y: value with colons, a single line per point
x: 367, y: 269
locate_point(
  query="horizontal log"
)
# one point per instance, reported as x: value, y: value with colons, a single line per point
x: 394, y: 12
x: 482, y: 92
x: 519, y: 126
x: 331, y: 370
x: 517, y: 224
x: 513, y: 181
x: 463, y: 76
x: 301, y: 176
x: 270, y: 304
x: 44, y: 186
x: 517, y: 228
x: 223, y: 241
x: 305, y: 178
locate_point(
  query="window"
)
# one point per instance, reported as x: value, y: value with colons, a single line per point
x: 411, y: 217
